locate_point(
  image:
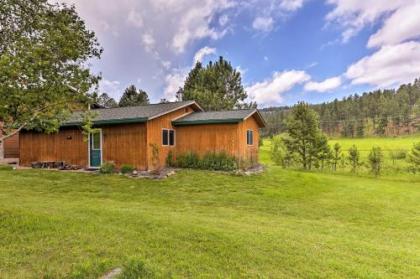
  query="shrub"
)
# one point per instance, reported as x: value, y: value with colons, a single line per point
x: 107, y: 168
x: 354, y: 158
x: 210, y: 161
x: 414, y: 158
x: 5, y: 168
x: 375, y: 160
x: 395, y: 155
x: 170, y: 160
x: 218, y: 161
x: 188, y: 160
x: 126, y: 169
x: 279, y: 153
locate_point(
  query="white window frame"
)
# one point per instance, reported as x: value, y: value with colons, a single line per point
x: 252, y: 133
x: 169, y: 142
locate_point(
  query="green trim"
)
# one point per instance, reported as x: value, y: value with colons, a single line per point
x: 207, y: 121
x: 110, y: 121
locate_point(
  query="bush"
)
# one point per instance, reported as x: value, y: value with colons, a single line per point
x: 218, y: 161
x: 279, y: 153
x: 107, y: 168
x: 414, y: 158
x: 210, y: 161
x: 397, y: 155
x: 354, y: 158
x: 126, y: 169
x: 5, y: 168
x: 188, y: 160
x: 375, y: 160
x: 170, y: 160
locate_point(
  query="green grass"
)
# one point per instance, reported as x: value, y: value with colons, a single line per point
x: 197, y: 224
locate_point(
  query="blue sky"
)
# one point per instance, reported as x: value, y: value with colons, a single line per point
x: 286, y: 50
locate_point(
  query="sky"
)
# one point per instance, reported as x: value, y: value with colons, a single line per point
x: 286, y: 50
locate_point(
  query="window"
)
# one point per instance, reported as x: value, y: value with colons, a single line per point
x: 171, y: 137
x: 250, y: 137
x: 168, y: 137
x: 95, y: 141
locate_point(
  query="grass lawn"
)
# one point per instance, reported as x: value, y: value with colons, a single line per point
x: 282, y: 224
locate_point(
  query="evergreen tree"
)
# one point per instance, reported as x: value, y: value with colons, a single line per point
x: 106, y: 101
x: 376, y: 160
x: 218, y: 86
x: 337, y: 155
x: 133, y: 97
x: 354, y: 158
x: 414, y: 158
x: 304, y: 135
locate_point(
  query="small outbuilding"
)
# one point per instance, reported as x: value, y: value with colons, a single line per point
x: 143, y: 136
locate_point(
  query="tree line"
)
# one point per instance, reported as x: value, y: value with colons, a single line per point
x: 380, y: 112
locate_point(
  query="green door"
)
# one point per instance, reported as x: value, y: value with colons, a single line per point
x: 95, y: 148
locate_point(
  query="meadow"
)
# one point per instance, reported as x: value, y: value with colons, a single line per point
x: 199, y: 224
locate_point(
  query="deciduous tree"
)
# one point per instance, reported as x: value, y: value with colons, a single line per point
x: 43, y: 77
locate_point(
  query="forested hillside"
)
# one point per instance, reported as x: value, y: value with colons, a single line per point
x: 381, y: 112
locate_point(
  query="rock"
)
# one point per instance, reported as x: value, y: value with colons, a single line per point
x: 112, y: 274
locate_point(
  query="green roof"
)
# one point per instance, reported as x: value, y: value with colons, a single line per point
x: 135, y: 114
x: 214, y: 117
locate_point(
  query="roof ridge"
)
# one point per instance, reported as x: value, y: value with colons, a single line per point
x: 147, y: 105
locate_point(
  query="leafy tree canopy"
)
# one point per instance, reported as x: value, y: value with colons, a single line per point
x: 43, y: 77
x: 217, y: 86
x: 133, y: 97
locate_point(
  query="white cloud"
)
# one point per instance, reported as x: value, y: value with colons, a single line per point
x: 173, y: 81
x: 135, y: 19
x: 111, y: 87
x: 291, y: 5
x: 148, y: 41
x: 402, y: 25
x: 223, y: 20
x: 194, y: 22
x: 264, y: 24
x: 389, y: 66
x: 323, y: 86
x: 269, y: 92
x: 203, y: 52
x: 354, y: 15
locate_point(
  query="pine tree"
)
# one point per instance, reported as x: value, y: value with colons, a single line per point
x: 354, y: 158
x: 133, y: 97
x: 305, y: 138
x: 106, y: 101
x: 337, y: 155
x: 375, y: 160
x: 414, y: 158
x: 218, y: 86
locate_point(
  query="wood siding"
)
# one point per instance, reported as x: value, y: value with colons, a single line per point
x: 11, y: 147
x: 125, y: 144
x: 202, y: 139
x: 247, y: 152
x: 154, y: 135
x: 67, y: 145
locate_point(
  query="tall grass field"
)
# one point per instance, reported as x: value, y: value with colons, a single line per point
x: 197, y: 224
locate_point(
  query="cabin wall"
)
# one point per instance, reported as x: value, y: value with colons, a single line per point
x: 11, y: 147
x: 202, y: 139
x: 67, y: 145
x: 125, y: 144
x: 248, y: 153
x: 154, y: 136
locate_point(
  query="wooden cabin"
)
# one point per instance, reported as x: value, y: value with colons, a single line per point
x: 142, y: 136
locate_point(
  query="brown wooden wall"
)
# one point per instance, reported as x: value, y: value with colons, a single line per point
x: 154, y: 135
x: 247, y: 152
x: 67, y: 145
x: 125, y: 144
x: 202, y: 139
x: 11, y: 147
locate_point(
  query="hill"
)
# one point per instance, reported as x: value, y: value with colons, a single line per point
x: 387, y: 112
